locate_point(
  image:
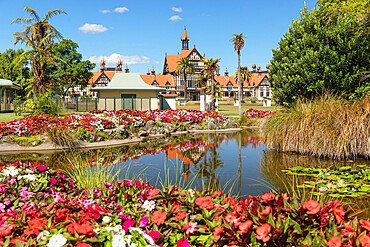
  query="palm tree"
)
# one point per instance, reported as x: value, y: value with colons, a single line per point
x: 202, y: 81
x: 39, y: 35
x: 185, y: 67
x: 210, y: 66
x: 245, y: 75
x: 238, y: 41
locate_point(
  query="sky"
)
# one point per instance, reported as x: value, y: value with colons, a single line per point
x: 141, y: 32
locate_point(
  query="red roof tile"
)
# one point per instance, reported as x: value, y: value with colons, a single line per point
x: 161, y: 80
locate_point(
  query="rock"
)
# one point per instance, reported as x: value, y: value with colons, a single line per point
x: 195, y: 127
x: 34, y: 143
x: 231, y: 124
x: 210, y: 126
x: 138, y: 124
x: 143, y: 133
x: 150, y: 123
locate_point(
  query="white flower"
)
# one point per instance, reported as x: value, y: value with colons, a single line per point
x: 118, y: 241
x: 42, y: 235
x: 106, y: 219
x: 29, y: 170
x: 149, y: 205
x: 57, y: 240
x: 116, y: 230
x: 29, y: 177
x: 12, y: 171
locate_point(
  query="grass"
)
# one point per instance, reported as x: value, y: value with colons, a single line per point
x: 325, y: 127
x: 230, y: 109
x: 6, y: 117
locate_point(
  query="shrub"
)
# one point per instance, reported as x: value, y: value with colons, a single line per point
x: 45, y: 104
x: 63, y: 137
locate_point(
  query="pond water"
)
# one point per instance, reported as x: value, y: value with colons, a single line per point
x: 238, y: 162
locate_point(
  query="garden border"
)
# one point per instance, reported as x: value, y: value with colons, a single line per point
x: 4, y: 148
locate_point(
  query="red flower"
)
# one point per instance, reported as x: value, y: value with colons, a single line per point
x: 348, y: 227
x: 263, y: 231
x: 38, y: 222
x: 217, y: 232
x: 335, y: 242
x: 153, y: 193
x: 83, y: 245
x: 365, y: 224
x: 365, y: 241
x: 159, y: 217
x: 85, y: 229
x: 205, y: 202
x: 266, y: 210
x: 267, y: 197
x: 217, y: 193
x: 339, y: 214
x: 6, y: 229
x: 181, y: 215
x: 313, y: 207
x: 183, y: 243
x: 154, y: 234
x: 244, y: 227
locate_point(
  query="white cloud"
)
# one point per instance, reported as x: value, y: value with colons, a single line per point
x: 105, y: 11
x: 120, y: 10
x: 176, y: 9
x: 157, y: 62
x: 114, y: 58
x: 175, y: 18
x: 92, y: 28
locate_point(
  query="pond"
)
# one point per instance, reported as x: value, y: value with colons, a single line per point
x: 238, y: 162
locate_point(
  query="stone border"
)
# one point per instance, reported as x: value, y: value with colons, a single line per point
x: 12, y: 148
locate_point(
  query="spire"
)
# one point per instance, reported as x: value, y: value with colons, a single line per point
x: 119, y: 65
x: 148, y: 73
x: 102, y: 65
x: 127, y: 70
x: 185, y: 40
x: 226, y: 72
x: 153, y: 71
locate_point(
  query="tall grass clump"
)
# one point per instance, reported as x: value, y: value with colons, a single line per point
x: 324, y: 127
x: 63, y: 137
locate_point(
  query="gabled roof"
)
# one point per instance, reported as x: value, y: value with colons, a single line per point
x: 97, y: 74
x: 9, y: 84
x: 127, y: 81
x: 255, y: 80
x: 160, y: 79
x: 173, y: 60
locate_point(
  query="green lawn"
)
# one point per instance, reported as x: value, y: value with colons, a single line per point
x: 231, y: 110
x: 6, y: 117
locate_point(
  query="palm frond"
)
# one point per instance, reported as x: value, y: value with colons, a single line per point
x: 22, y: 20
x: 33, y: 13
x: 53, y: 12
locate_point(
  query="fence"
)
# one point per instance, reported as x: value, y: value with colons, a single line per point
x: 88, y: 104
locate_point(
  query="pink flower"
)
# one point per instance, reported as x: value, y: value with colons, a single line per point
x: 190, y: 228
x: 183, y: 243
x: 144, y: 221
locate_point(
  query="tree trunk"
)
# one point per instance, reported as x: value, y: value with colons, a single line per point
x: 185, y: 88
x: 213, y: 94
x: 205, y: 98
x: 240, y: 93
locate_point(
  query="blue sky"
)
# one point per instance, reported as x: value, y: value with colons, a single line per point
x: 140, y: 32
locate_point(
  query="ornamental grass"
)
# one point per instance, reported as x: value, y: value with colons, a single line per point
x: 324, y: 127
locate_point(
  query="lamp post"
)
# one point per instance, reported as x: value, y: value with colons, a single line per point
x: 229, y: 89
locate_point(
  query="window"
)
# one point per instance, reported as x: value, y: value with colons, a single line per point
x: 261, y: 92
x: 167, y: 86
x: 267, y: 92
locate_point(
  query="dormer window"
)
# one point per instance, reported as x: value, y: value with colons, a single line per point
x: 155, y: 84
x: 168, y: 86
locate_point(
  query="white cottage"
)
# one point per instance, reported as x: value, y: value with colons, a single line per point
x: 127, y: 91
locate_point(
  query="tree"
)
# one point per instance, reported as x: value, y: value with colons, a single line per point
x: 202, y: 81
x: 70, y: 70
x: 316, y: 57
x: 39, y: 35
x: 184, y: 68
x: 238, y: 41
x: 245, y: 75
x: 210, y: 66
x: 11, y: 64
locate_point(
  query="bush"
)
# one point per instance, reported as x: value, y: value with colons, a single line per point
x: 63, y: 137
x: 45, y: 104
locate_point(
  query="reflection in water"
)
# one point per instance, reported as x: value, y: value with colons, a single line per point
x: 272, y: 163
x: 211, y: 160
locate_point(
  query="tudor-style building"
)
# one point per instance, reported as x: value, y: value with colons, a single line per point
x: 171, y: 62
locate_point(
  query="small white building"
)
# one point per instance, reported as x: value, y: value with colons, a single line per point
x: 127, y: 91
x: 6, y: 94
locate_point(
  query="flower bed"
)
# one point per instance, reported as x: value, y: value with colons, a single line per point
x: 253, y: 113
x: 39, y: 206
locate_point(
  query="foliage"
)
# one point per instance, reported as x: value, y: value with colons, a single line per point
x: 45, y: 205
x: 325, y: 127
x: 11, y: 63
x: 45, y: 104
x: 332, y: 8
x: 38, y: 34
x: 185, y: 67
x: 336, y: 182
x: 70, y: 70
x: 315, y: 57
x: 210, y: 67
